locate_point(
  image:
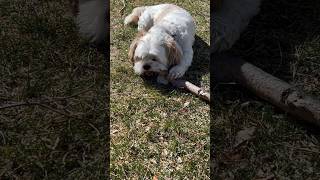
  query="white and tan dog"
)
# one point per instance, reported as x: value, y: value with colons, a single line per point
x: 91, y: 17
x: 230, y: 18
x: 164, y: 41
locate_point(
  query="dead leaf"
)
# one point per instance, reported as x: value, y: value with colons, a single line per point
x: 186, y: 104
x: 244, y: 135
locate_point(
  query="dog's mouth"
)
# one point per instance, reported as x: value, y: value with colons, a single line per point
x: 150, y: 73
x: 153, y: 73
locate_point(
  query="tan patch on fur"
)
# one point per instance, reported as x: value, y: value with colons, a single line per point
x: 134, y: 20
x: 174, y: 55
x: 136, y: 13
x: 164, y: 12
x: 134, y: 45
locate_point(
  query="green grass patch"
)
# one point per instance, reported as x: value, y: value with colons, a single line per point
x: 284, y: 41
x: 59, y: 131
x: 157, y: 130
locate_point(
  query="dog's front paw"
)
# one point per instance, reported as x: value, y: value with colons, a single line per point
x: 142, y: 27
x: 131, y: 20
x: 127, y: 20
x: 162, y: 80
x: 177, y: 72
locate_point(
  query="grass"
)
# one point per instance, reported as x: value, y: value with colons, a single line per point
x: 56, y: 131
x: 284, y: 41
x: 157, y: 131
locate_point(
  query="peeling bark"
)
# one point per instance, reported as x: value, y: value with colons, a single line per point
x: 276, y: 91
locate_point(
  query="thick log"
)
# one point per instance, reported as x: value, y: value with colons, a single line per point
x: 274, y: 90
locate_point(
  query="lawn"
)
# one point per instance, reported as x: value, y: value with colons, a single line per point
x: 54, y: 89
x: 284, y: 40
x: 157, y: 131
x: 53, y: 86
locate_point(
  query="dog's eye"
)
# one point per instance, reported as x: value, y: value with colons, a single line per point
x: 153, y: 59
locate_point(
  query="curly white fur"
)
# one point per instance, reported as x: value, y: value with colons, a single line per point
x: 230, y: 20
x: 92, y: 20
x: 166, y: 38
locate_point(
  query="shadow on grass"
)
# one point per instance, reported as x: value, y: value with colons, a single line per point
x: 271, y: 42
x: 275, y: 41
x: 273, y: 36
x: 42, y: 61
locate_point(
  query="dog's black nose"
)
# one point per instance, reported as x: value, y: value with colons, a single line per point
x: 146, y: 67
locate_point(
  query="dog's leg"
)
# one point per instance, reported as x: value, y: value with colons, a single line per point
x: 230, y: 19
x: 141, y: 17
x: 133, y: 18
x: 180, y: 69
x: 186, y: 59
x: 145, y: 21
x: 92, y: 20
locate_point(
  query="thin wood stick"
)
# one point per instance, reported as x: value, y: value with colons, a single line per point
x: 123, y: 6
x: 17, y: 104
x: 12, y: 105
x: 179, y: 83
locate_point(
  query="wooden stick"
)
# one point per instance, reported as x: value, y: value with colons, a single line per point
x: 18, y: 104
x: 278, y: 92
x: 179, y: 83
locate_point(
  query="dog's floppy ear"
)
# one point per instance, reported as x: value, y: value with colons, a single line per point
x: 174, y: 52
x: 134, y: 45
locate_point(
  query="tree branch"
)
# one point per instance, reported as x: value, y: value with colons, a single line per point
x: 279, y: 93
x: 179, y: 83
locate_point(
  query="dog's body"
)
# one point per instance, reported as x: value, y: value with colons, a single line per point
x: 230, y: 18
x: 91, y: 17
x: 165, y: 39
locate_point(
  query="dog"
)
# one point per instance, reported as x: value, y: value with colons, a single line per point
x: 91, y: 18
x: 230, y: 18
x: 164, y: 41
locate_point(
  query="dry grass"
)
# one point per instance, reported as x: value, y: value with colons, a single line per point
x: 57, y: 131
x: 157, y: 130
x: 284, y: 41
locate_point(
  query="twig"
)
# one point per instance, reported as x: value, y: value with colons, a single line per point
x: 192, y: 88
x: 3, y: 138
x: 304, y: 149
x: 73, y: 95
x: 16, y: 105
x: 34, y: 104
x: 180, y: 83
x: 123, y: 7
x: 57, y: 111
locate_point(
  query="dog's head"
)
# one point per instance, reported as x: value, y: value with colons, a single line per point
x: 153, y: 53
